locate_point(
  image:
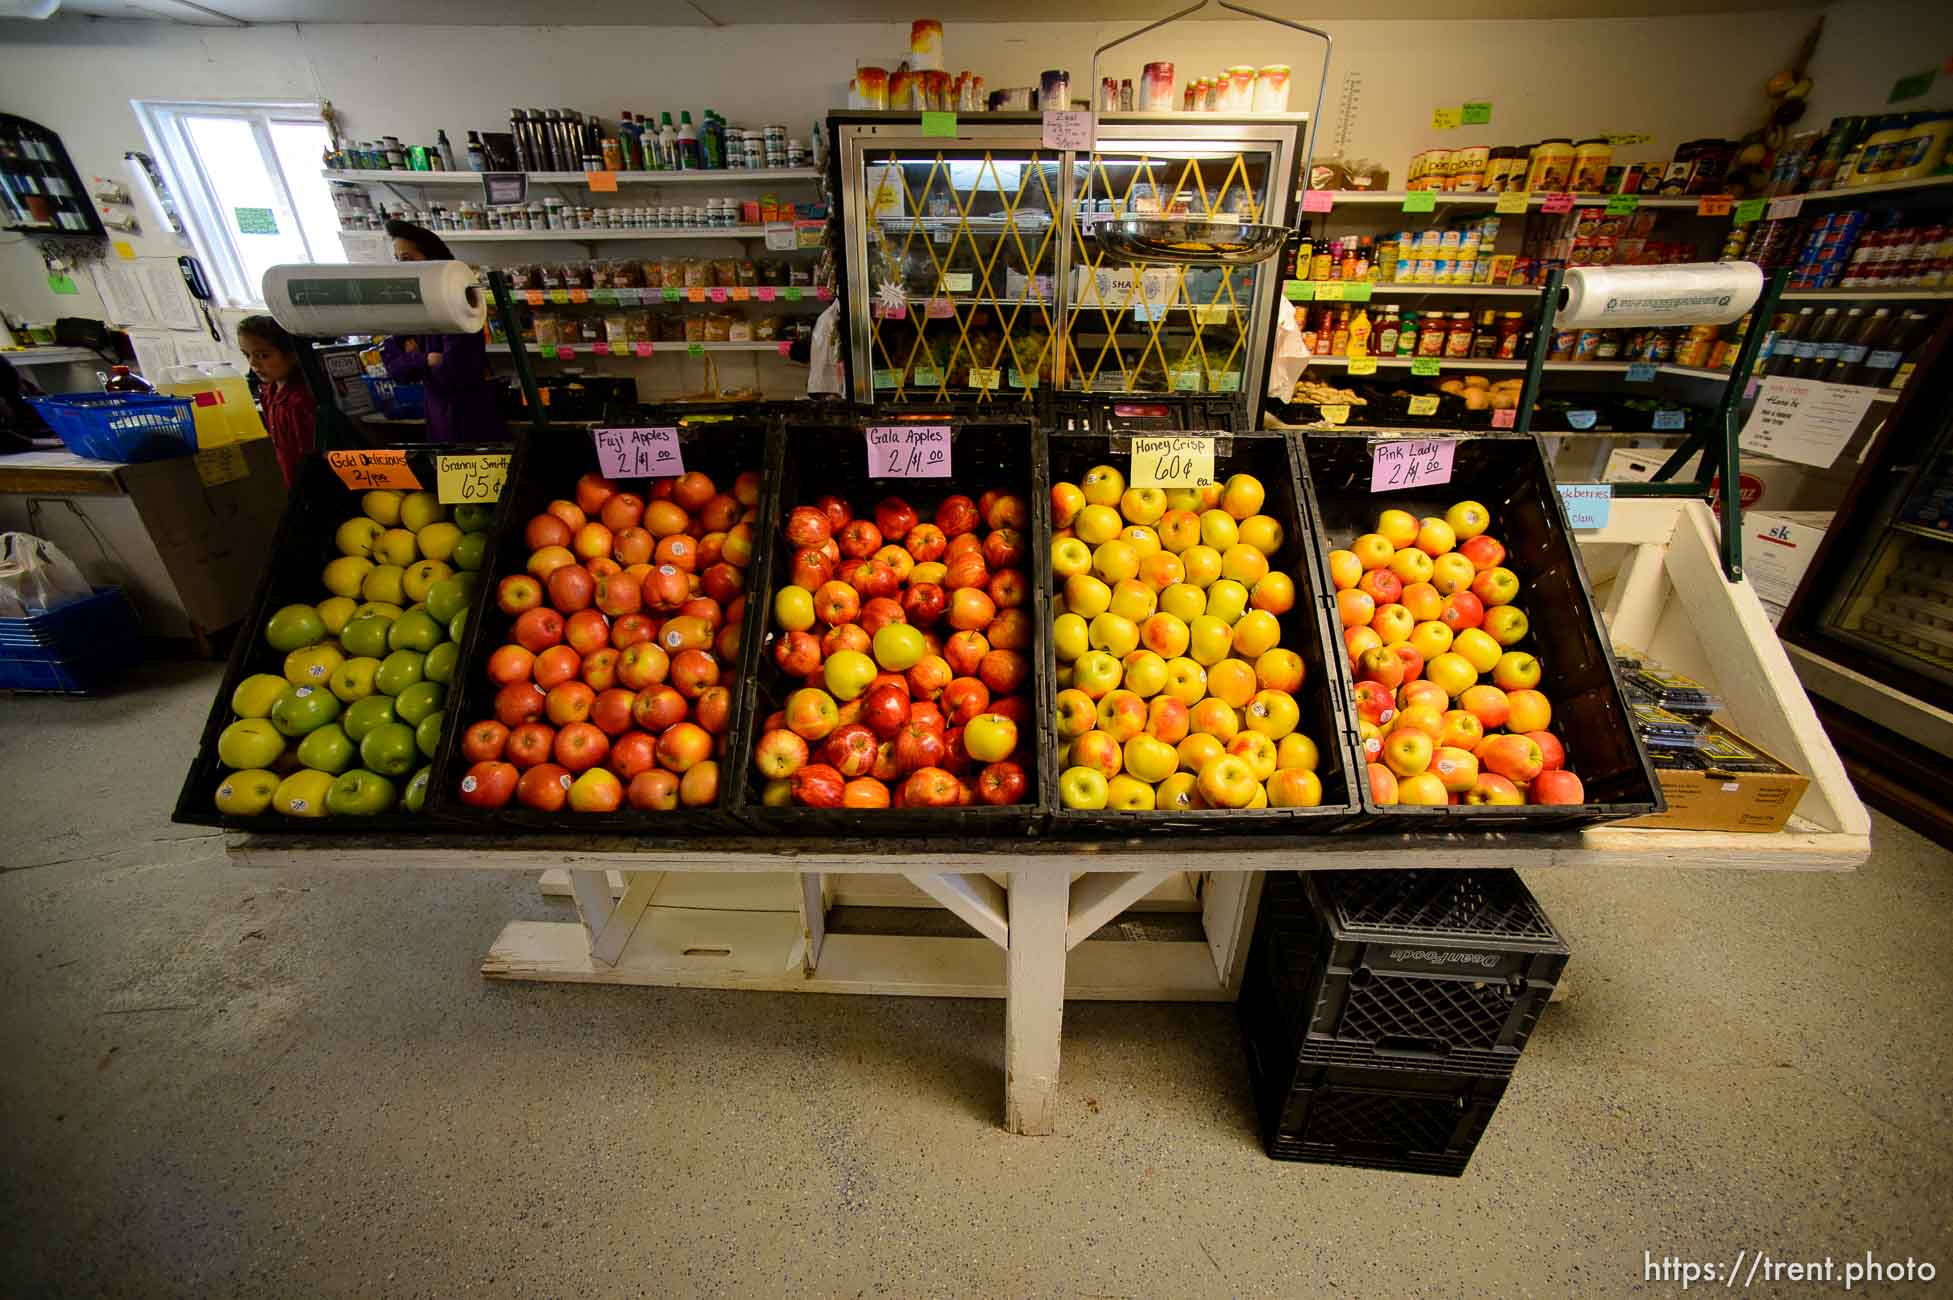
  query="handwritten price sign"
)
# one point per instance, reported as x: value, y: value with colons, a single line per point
x: 908, y: 451
x: 1172, y: 462
x: 470, y: 480
x: 639, y: 453
x: 362, y: 470
x: 1410, y: 462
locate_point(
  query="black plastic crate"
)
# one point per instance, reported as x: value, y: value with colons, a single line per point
x: 317, y: 503
x: 1410, y: 1121
x: 1105, y: 413
x: 820, y: 459
x: 1323, y: 700
x: 1446, y: 970
x: 1512, y: 476
x: 546, y: 467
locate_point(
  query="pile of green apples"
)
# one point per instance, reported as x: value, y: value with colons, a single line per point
x: 357, y: 705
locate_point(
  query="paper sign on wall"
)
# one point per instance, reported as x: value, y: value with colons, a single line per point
x: 1176, y: 461
x: 908, y: 450
x: 1587, y: 504
x: 639, y: 453
x: 1072, y: 129
x: 385, y: 468
x: 470, y: 480
x: 1476, y: 112
x: 1410, y: 462
x: 223, y: 464
x: 1444, y: 119
x: 1803, y: 420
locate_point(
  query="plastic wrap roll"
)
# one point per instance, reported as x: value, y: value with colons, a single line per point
x: 1692, y: 293
x: 405, y: 298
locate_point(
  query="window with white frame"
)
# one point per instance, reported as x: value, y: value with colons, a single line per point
x: 247, y: 180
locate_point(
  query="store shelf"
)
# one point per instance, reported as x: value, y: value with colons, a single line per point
x: 658, y: 349
x: 1722, y: 377
x: 778, y: 296
x: 52, y: 357
x: 1466, y: 363
x: 1395, y: 199
x: 739, y: 176
x: 1868, y: 295
x: 1914, y: 530
x: 1859, y: 191
x: 586, y: 236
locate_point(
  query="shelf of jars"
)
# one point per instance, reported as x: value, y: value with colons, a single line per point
x: 713, y: 296
x: 1411, y: 201
x: 570, y: 351
x: 582, y: 236
x: 728, y: 176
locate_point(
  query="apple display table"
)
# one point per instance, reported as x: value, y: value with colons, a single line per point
x: 754, y: 913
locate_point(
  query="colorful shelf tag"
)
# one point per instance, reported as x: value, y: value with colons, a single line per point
x: 470, y: 480
x: 1410, y: 462
x: 639, y: 453
x: 908, y: 451
x: 1173, y: 461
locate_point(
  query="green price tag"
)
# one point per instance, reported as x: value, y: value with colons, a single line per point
x: 1421, y: 201
x: 1299, y: 290
x: 793, y: 293
x: 1621, y: 205
x: 1425, y: 366
x: 672, y: 295
x: 981, y: 378
x: 1425, y: 405
x: 1476, y: 112
x: 547, y: 352
x: 603, y: 295
x: 1357, y: 290
x: 888, y: 379
x: 1912, y: 87
x: 1020, y: 380
x: 62, y: 284
x: 1749, y: 210
x: 1330, y: 291
x: 262, y: 221
x: 695, y: 349
x: 939, y: 124
x: 1186, y: 381
x: 559, y: 295
x: 1226, y: 381
x: 927, y: 377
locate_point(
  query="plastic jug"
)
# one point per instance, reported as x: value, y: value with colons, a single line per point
x: 221, y: 401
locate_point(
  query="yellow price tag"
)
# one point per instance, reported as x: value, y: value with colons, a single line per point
x: 1444, y: 119
x: 1172, y: 461
x: 470, y: 480
x: 125, y: 250
x: 1363, y: 365
x: 1335, y: 414
x: 1424, y: 405
x: 1512, y: 201
x: 1329, y: 291
x: 223, y: 464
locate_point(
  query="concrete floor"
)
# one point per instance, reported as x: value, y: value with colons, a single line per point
x: 220, y: 1081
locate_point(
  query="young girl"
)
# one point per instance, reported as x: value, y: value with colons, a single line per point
x: 289, y: 408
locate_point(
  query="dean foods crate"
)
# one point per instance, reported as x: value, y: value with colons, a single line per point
x: 1493, y: 612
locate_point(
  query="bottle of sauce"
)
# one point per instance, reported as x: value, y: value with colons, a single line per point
x: 1339, y: 336
x: 1387, y: 333
x: 1359, y: 333
x: 1511, y: 325
x: 1783, y: 349
x: 122, y: 380
x: 1458, y: 338
x: 1407, y: 335
x: 1485, y: 338
x: 1849, y: 366
x: 1804, y: 363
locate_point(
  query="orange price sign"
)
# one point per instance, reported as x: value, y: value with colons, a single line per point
x: 602, y: 182
x: 1714, y: 205
x: 363, y: 470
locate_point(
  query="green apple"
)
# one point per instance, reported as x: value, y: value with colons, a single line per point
x: 382, y: 585
x: 328, y: 749
x: 448, y: 597
x: 366, y: 637
x: 353, y: 680
x: 246, y: 793
x: 417, y: 701
x: 400, y: 670
x: 389, y: 749
x: 421, y: 577
x: 427, y: 734
x: 360, y: 793
x: 294, y: 627
x: 367, y: 714
x: 303, y: 709
x: 416, y: 797
x: 385, y: 609
x: 303, y: 794
x: 420, y: 509
x: 471, y: 552
x: 250, y: 742
x: 256, y: 694
x: 474, y: 519
x: 356, y: 536
x: 414, y: 630
x: 457, y: 626
x: 441, y: 662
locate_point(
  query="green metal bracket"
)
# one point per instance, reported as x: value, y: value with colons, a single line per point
x: 498, y: 285
x: 1549, y: 305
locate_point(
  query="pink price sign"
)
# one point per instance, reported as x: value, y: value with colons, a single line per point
x: 786, y: 347
x: 1561, y: 202
x: 908, y: 451
x: 1318, y: 201
x: 1505, y: 419
x: 601, y: 349
x: 765, y: 293
x: 638, y: 453
x: 642, y: 349
x: 1410, y: 462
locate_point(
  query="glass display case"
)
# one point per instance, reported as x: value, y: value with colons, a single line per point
x: 40, y: 193
x: 973, y: 271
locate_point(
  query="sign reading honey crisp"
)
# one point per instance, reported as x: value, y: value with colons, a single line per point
x: 1172, y: 461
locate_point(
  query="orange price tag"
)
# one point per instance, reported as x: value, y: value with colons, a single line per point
x: 579, y: 295
x: 740, y: 295
x: 695, y: 295
x: 1714, y: 205
x: 534, y: 297
x: 602, y: 182
x: 385, y: 468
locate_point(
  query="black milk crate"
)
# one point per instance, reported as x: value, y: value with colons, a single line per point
x: 1438, y: 969
x: 815, y: 459
x: 1323, y: 699
x: 1137, y: 413
x: 1410, y: 1121
x: 1512, y: 476
x: 316, y: 504
x: 546, y: 467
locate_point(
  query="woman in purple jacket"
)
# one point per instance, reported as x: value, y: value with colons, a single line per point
x: 463, y: 400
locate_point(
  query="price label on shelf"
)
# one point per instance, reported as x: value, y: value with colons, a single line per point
x: 1787, y: 207
x: 547, y: 351
x: 740, y: 293
x: 1424, y: 367
x: 695, y: 349
x: 1224, y: 381
x: 693, y: 293
x: 642, y: 349
x: 1186, y: 380
x: 1582, y: 420
x: 980, y: 378
x: 1512, y: 201
x: 1476, y: 112
x: 786, y: 347
x: 559, y: 296
x: 780, y: 237
x: 765, y: 293
x: 1213, y: 313
x: 534, y: 297
x: 1640, y: 372
x: 908, y: 451
x: 716, y: 293
x: 1506, y: 419
x: 1318, y: 201
x: 939, y: 124
x: 940, y: 309
x: 1587, y: 504
x: 601, y: 182
x: 793, y: 293
x: 1329, y: 291
x: 1425, y: 404
x: 1410, y: 462
x: 1363, y: 365
x: 1357, y: 290
x: 1560, y: 202
x: 1670, y: 420
x: 888, y: 379
x: 567, y: 354
x: 1421, y: 201
x: 1172, y: 461
x: 1299, y: 290
x: 926, y: 377
x: 384, y: 468
x: 1335, y: 413
x: 1714, y: 205
x: 1069, y: 129
x: 470, y: 480
x: 1749, y: 210
x: 504, y: 188
x: 606, y: 295
x: 1444, y: 119
x: 223, y: 464
x: 579, y: 295
x: 673, y: 293
x: 639, y: 453
x: 1622, y: 205
x: 601, y: 349
x: 1018, y: 379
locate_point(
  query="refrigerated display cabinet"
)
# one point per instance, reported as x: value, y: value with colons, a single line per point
x: 973, y: 271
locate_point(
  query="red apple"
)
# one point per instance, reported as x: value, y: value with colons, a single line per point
x: 600, y: 668
x: 536, y: 630
x: 779, y: 754
x: 720, y: 513
x: 851, y: 750
x: 925, y: 603
x: 580, y: 746
x: 848, y: 636
x: 885, y: 710
x: 965, y: 652
x: 631, y: 629
x: 967, y: 570
x: 1004, y: 510
x: 1008, y: 589
x: 713, y: 709
x: 510, y: 663
x: 859, y: 539
x: 611, y: 710
x: 926, y: 542
x: 1004, y: 549
x: 569, y: 702
x: 875, y: 578
x: 1010, y: 630
x: 932, y: 787
x: 557, y: 665
x: 516, y: 593
x: 642, y: 664
x: 818, y: 785
x: 808, y: 526
x: 919, y: 745
x: 963, y: 699
x: 484, y: 742
x: 592, y: 490
x: 1558, y: 786
x: 517, y: 703
x: 797, y: 653
x: 864, y: 792
x: 653, y: 791
x: 665, y: 588
x: 1002, y: 783
x: 571, y: 588
x: 633, y: 752
x: 878, y: 613
x: 488, y: 785
x: 545, y: 787
x: 530, y: 744
x: 691, y: 490
x: 895, y: 517
x: 658, y: 708
x: 1003, y: 671
x: 684, y: 746
x: 955, y: 516
x: 692, y: 671
x: 929, y: 676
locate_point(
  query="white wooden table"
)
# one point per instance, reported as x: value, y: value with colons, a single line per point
x: 758, y: 917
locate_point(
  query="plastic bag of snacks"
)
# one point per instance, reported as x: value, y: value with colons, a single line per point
x: 36, y: 576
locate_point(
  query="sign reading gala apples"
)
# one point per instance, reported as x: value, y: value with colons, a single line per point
x: 1410, y: 462
x: 639, y: 453
x: 908, y: 451
x: 1178, y: 461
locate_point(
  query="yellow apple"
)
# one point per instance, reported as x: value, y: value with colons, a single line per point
x: 1257, y: 632
x: 1184, y: 601
x: 1086, y: 596
x: 1143, y: 505
x: 1218, y: 529
x: 1103, y: 485
x: 1068, y: 636
x: 1116, y: 636
x: 1096, y: 524
x: 1186, y: 680
x: 1203, y: 565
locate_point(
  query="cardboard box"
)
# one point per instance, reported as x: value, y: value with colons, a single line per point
x: 1777, y: 550
x: 1759, y: 802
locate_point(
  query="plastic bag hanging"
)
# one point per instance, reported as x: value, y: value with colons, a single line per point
x: 36, y: 576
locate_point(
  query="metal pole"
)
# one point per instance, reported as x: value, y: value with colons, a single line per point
x: 1549, y: 302
x: 505, y: 307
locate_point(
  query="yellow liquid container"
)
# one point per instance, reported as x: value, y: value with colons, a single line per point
x: 222, y: 407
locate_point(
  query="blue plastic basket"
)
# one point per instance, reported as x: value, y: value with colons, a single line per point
x: 398, y: 401
x: 121, y: 426
x: 77, y: 648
